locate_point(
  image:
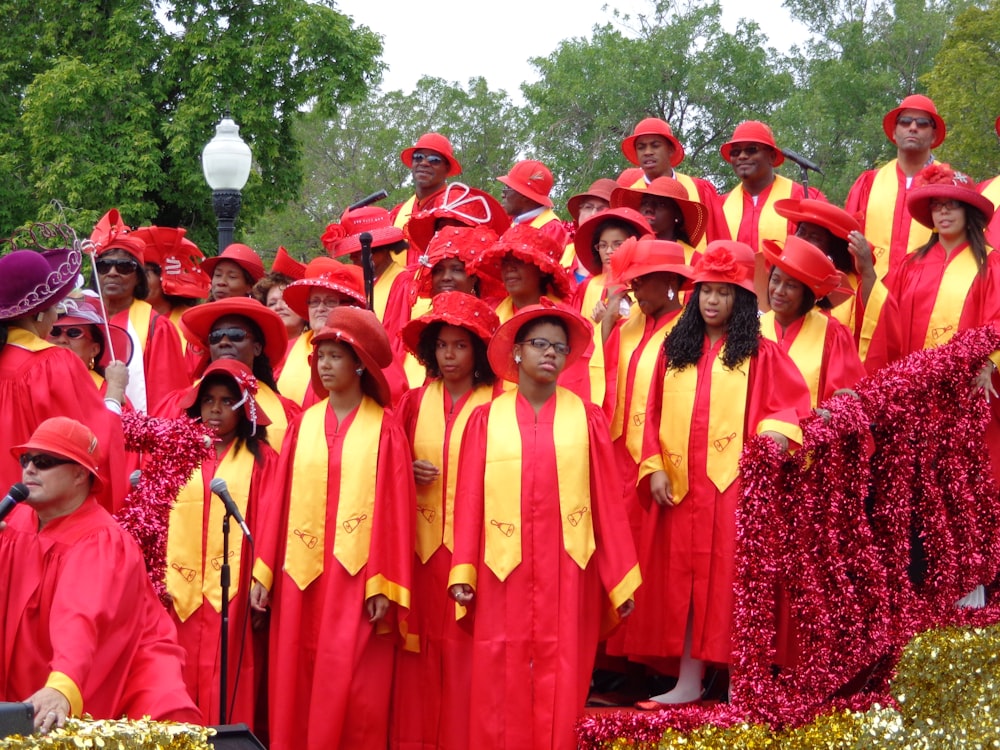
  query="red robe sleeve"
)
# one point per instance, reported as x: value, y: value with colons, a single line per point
x: 842, y: 366
x: 469, y: 500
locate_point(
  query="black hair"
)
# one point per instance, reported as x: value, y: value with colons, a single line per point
x: 555, y: 320
x: 427, y: 354
x: 612, y: 222
x: 244, y: 428
x: 975, y: 232
x: 684, y: 344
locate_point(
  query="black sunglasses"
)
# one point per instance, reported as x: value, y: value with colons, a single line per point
x: 72, y: 332
x: 735, y: 151
x: 42, y: 461
x: 236, y: 335
x: 124, y: 266
x: 432, y: 159
x: 922, y: 122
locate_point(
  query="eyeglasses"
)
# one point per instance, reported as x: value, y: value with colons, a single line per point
x: 42, y: 461
x: 327, y: 302
x: 936, y: 205
x: 735, y: 151
x: 72, y: 332
x: 606, y: 246
x: 543, y: 345
x: 432, y: 159
x: 921, y: 122
x: 236, y: 335
x: 124, y: 266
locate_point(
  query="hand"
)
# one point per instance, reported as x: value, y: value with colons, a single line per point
x: 260, y: 597
x: 424, y: 472
x: 462, y: 593
x: 376, y: 607
x: 660, y: 488
x: 984, y: 381
x: 626, y: 608
x: 51, y: 709
x: 598, y: 312
x: 861, y: 249
x: 777, y: 437
x: 116, y: 373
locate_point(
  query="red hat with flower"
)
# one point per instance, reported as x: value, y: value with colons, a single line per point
x: 530, y: 245
x: 467, y: 244
x: 345, y: 238
x: 179, y: 259
x: 940, y: 181
x: 454, y: 309
x: 456, y: 205
x: 653, y: 126
x: 532, y: 179
x: 246, y: 385
x: 326, y: 273
x: 726, y: 262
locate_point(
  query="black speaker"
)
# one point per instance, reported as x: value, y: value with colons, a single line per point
x: 16, y: 718
x: 234, y: 737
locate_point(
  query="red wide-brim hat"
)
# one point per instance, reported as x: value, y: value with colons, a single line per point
x: 804, y: 262
x: 242, y: 255
x: 940, y: 181
x: 694, y: 212
x: 501, y: 349
x: 454, y: 309
x: 437, y: 143
x: 345, y: 238
x: 468, y: 244
x: 583, y: 241
x: 924, y: 104
x: 363, y: 332
x: 530, y: 245
x: 456, y: 204
x: 753, y: 131
x: 644, y: 255
x: 600, y: 189
x: 811, y: 211
x: 653, y: 126
x: 66, y: 438
x: 326, y: 273
x: 198, y: 321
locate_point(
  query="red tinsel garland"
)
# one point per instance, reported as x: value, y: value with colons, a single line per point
x: 172, y: 449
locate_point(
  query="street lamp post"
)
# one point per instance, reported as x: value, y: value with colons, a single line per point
x: 225, y: 161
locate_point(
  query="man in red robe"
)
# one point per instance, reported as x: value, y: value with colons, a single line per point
x: 526, y: 200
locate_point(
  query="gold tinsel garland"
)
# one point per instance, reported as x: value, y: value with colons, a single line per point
x: 145, y: 734
x: 947, y: 690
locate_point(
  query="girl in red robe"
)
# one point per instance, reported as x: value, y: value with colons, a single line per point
x: 718, y: 384
x: 543, y: 554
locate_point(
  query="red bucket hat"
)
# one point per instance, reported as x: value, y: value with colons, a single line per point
x: 811, y: 211
x: 326, y: 273
x: 343, y: 238
x: 33, y: 280
x: 454, y: 309
x: 179, y: 260
x: 726, y: 262
x: 467, y: 244
x: 286, y: 265
x: 240, y: 254
x: 501, y: 349
x: 66, y: 438
x: 583, y: 242
x: 111, y: 233
x: 532, y: 179
x: 198, y: 321
x: 601, y: 189
x: 653, y: 126
x: 694, y: 212
x: 433, y: 142
x: 924, y: 104
x: 457, y: 204
x: 360, y: 330
x: 805, y: 262
x: 643, y: 255
x: 246, y: 384
x: 753, y: 131
x: 86, y: 311
x: 531, y: 245
x: 942, y: 182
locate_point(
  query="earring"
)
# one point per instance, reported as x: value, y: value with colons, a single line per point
x: 517, y: 359
x: 475, y: 375
x: 670, y: 295
x: 39, y: 317
x: 359, y: 371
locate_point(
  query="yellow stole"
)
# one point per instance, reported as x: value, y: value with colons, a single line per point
x: 806, y: 349
x: 880, y: 217
x: 26, y: 340
x: 726, y: 417
x: 770, y: 226
x: 295, y: 373
x: 140, y: 315
x: 404, y: 212
x: 568, y: 256
x: 959, y: 273
x: 544, y: 218
x: 380, y: 292
x: 595, y: 292
x: 194, y: 573
x: 305, y: 542
x: 502, y: 482
x: 435, y: 441
x: 416, y: 373
x: 175, y: 318
x: 268, y: 401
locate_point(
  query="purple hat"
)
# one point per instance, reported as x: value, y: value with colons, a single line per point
x: 33, y: 278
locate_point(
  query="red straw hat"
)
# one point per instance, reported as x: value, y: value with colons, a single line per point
x: 245, y: 382
x: 344, y: 238
x: 85, y: 311
x: 454, y: 309
x: 360, y: 330
x: 33, y: 280
x: 179, y: 260
x: 653, y: 126
x: 942, y: 182
x: 589, y: 231
x: 286, y: 265
x: 111, y: 233
x: 197, y: 323
x: 753, y: 131
x: 433, y: 142
x: 325, y: 273
x: 643, y: 255
x: 996, y: 126
x: 805, y: 262
x: 66, y: 438
x: 457, y: 204
x: 241, y: 255
x: 532, y: 179
x: 924, y: 104
x: 811, y: 211
x: 601, y: 189
x: 726, y: 262
x: 531, y: 245
x: 694, y: 212
x: 467, y: 244
x: 501, y: 349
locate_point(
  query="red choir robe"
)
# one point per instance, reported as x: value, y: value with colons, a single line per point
x: 158, y: 364
x: 80, y: 616
x: 687, y: 551
x: 878, y: 199
x: 39, y: 380
x: 421, y: 718
x: 739, y: 217
x: 199, y: 631
x: 400, y: 217
x: 991, y: 189
x: 330, y: 670
x: 535, y: 632
x: 823, y: 350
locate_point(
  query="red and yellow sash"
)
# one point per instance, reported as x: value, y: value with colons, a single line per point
x: 806, y: 349
x: 295, y: 373
x: 770, y: 226
x: 881, y: 219
x: 380, y: 292
x: 959, y: 273
x: 502, y: 482
x: 305, y: 544
x: 194, y: 573
x: 25, y: 339
x: 593, y: 294
x: 432, y: 438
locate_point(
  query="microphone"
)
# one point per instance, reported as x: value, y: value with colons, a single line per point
x: 220, y: 488
x: 134, y: 477
x: 368, y: 200
x: 16, y: 494
x: 802, y: 161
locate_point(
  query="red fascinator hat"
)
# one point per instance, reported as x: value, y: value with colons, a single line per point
x: 942, y: 182
x: 726, y: 262
x: 501, y: 349
x: 111, y: 233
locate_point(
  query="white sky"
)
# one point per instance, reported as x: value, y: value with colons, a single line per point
x: 458, y: 40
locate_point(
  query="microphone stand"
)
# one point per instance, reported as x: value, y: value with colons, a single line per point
x: 368, y: 267
x: 224, y: 575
